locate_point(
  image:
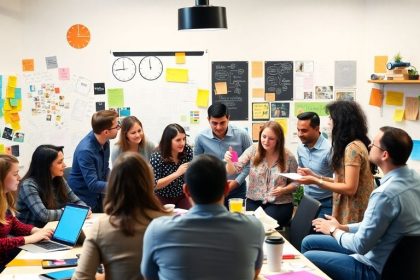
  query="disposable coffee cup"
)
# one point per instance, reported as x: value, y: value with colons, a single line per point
x: 274, y: 245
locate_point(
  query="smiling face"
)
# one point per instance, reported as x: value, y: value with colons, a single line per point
x: 178, y: 143
x: 268, y: 139
x: 135, y: 134
x: 11, y: 181
x: 58, y: 166
x: 306, y: 133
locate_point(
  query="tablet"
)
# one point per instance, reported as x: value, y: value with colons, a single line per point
x: 59, y: 275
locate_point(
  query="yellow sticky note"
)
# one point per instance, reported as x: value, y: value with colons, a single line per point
x: 27, y: 65
x: 380, y: 64
x: 257, y: 93
x: 221, y: 88
x: 395, y: 98
x: 11, y: 81
x: 202, y: 99
x: 7, y: 106
x: 10, y: 92
x: 7, y: 118
x: 270, y: 96
x: 283, y: 124
x: 398, y: 115
x: 180, y: 58
x: 15, y: 125
x: 1, y: 148
x: 257, y: 69
x: 177, y: 75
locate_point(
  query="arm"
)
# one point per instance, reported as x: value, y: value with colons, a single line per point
x: 246, y: 143
x: 72, y: 197
x: 244, y: 159
x: 158, y: 165
x: 198, y: 148
x: 87, y: 166
x: 149, y: 268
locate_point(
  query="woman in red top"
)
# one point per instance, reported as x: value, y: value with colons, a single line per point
x: 12, y: 232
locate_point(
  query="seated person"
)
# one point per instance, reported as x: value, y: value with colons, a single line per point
x: 44, y: 192
x: 207, y: 241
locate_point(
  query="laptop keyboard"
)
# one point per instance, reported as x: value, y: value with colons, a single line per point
x: 49, y: 245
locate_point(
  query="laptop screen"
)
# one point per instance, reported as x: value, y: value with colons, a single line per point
x: 70, y: 224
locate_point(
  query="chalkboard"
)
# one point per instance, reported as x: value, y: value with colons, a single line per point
x: 279, y: 79
x: 230, y: 87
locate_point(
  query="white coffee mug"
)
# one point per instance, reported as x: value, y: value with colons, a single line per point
x: 274, y: 245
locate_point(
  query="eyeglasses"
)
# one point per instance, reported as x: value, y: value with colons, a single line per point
x: 373, y: 145
x: 118, y: 126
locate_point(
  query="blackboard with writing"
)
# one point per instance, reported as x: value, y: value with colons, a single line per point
x: 279, y: 79
x: 230, y: 87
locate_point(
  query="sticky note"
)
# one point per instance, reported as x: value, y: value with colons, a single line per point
x: 15, y: 125
x: 1, y: 148
x: 28, y: 65
x: 376, y: 97
x: 14, y: 117
x: 63, y: 74
x: 115, y: 97
x: 283, y: 123
x: 258, y: 93
x: 380, y: 64
x: 395, y: 98
x: 398, y: 115
x: 13, y: 102
x: 7, y: 106
x: 51, y: 62
x: 177, y: 75
x: 411, y: 108
x: 221, y: 88
x: 257, y: 69
x: 11, y: 81
x: 180, y: 58
x: 10, y: 92
x: 270, y: 96
x: 202, y: 99
x: 18, y: 93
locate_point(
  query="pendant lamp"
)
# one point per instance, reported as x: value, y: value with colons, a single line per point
x: 202, y: 16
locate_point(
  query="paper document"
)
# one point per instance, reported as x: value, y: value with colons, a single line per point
x: 293, y: 176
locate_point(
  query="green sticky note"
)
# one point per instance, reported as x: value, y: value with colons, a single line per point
x: 13, y: 101
x: 115, y: 97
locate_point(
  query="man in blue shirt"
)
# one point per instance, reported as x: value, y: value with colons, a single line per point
x: 359, y: 251
x: 207, y: 242
x: 217, y: 139
x: 314, y: 153
x: 90, y: 168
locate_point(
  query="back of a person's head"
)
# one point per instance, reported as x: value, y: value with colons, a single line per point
x: 217, y: 110
x: 397, y: 143
x: 102, y: 120
x: 312, y: 116
x: 206, y: 179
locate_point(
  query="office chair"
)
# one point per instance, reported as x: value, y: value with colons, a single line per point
x: 67, y: 172
x: 404, y: 260
x: 301, y: 224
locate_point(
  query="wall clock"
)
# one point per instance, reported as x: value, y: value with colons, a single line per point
x: 124, y: 69
x: 78, y: 36
x: 150, y: 68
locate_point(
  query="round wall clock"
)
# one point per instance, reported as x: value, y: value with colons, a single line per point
x: 124, y: 69
x: 150, y: 68
x: 78, y: 36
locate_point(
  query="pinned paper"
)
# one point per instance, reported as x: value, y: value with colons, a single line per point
x: 260, y: 111
x: 411, y: 108
x: 257, y: 93
x: 380, y: 64
x: 221, y: 88
x: 51, y: 62
x: 28, y: 65
x: 283, y: 123
x: 398, y: 115
x: 63, y: 74
x: 270, y: 97
x: 194, y: 117
x: 115, y: 97
x: 177, y: 75
x: 376, y: 97
x: 256, y: 127
x: 202, y: 99
x: 257, y: 69
x: 395, y: 98
x: 11, y: 81
x: 180, y: 58
x: 10, y: 92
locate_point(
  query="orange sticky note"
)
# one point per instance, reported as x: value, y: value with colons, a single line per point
x: 28, y: 65
x: 270, y: 96
x: 395, y: 98
x: 257, y: 69
x: 180, y: 58
x: 256, y: 127
x: 376, y: 97
x: 258, y: 93
x: 221, y: 88
x: 14, y: 117
x: 380, y: 64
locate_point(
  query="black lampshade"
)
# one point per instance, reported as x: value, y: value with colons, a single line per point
x: 202, y: 16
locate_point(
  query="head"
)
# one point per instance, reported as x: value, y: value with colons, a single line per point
x: 47, y: 169
x: 205, y: 180
x: 308, y: 128
x: 131, y: 133
x: 271, y: 141
x: 218, y: 117
x: 129, y: 191
x: 105, y: 122
x: 391, y: 144
x: 173, y: 141
x: 9, y: 181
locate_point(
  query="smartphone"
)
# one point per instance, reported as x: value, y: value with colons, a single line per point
x: 59, y: 275
x: 58, y: 263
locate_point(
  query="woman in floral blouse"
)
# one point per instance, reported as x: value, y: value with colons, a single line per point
x: 267, y: 188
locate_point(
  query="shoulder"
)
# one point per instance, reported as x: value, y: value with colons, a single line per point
x: 116, y: 149
x: 206, y: 133
x: 29, y: 183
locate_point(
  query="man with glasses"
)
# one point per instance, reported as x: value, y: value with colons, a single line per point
x: 360, y: 250
x: 90, y: 167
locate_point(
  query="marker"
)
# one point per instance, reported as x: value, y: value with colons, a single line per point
x: 290, y: 257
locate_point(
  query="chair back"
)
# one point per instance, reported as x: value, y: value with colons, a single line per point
x: 67, y: 172
x: 404, y: 260
x: 301, y: 224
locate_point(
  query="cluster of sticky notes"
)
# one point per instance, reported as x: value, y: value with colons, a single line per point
x: 11, y: 105
x: 194, y: 117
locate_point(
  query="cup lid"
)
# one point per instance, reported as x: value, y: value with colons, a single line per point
x: 274, y: 240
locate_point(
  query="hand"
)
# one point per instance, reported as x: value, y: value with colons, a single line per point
x: 324, y: 225
x: 38, y: 234
x: 305, y: 171
x: 232, y: 184
x: 307, y: 180
x: 89, y: 215
x: 278, y: 191
x: 182, y: 169
x: 228, y: 155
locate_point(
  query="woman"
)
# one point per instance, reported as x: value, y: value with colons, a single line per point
x: 13, y: 233
x: 267, y: 188
x: 132, y: 139
x: 353, y: 180
x: 169, y: 164
x: 44, y: 192
x: 116, y: 239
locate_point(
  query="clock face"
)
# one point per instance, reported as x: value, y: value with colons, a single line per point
x: 150, y: 68
x: 124, y: 69
x: 78, y: 36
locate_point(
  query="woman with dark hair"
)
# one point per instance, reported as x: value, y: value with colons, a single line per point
x: 116, y: 239
x: 267, y: 188
x: 169, y: 163
x: 44, y: 192
x: 353, y: 180
x: 132, y: 139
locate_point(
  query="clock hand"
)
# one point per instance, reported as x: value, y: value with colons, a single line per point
x: 150, y: 65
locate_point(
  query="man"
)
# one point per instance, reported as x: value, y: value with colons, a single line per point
x: 90, y: 167
x: 216, y: 141
x: 207, y: 242
x: 314, y: 153
x: 359, y: 251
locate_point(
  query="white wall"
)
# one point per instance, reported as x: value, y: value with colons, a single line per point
x: 323, y: 31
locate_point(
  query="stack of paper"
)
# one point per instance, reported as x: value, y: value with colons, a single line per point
x: 268, y: 222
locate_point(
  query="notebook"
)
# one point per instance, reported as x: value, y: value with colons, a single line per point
x: 65, y: 234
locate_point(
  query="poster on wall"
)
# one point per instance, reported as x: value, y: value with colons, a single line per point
x: 230, y: 87
x: 279, y: 79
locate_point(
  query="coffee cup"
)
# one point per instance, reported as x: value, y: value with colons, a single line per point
x: 236, y: 205
x: 274, y: 245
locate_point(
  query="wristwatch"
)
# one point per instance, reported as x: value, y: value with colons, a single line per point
x: 332, y: 229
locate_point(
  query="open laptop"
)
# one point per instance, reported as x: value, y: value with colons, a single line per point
x: 65, y: 234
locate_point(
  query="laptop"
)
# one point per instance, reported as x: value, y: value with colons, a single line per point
x: 65, y: 234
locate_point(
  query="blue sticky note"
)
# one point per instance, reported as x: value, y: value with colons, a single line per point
x: 18, y: 93
x: 1, y: 103
x: 415, y: 153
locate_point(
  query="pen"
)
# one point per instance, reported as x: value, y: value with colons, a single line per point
x: 289, y: 257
